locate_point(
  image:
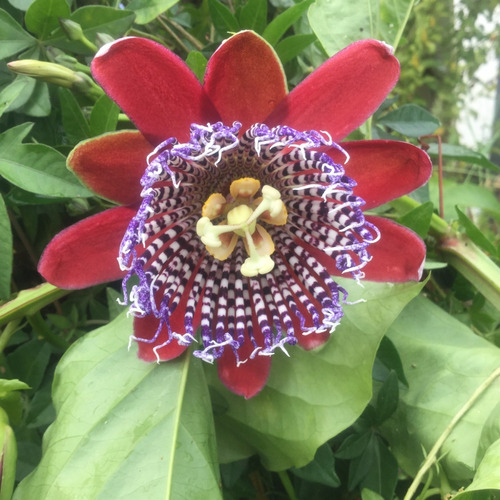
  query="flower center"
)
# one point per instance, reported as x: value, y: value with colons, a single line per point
x: 238, y: 213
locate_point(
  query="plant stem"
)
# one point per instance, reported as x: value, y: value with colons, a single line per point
x: 402, y: 26
x: 7, y: 333
x: 41, y: 328
x: 30, y: 301
x: 287, y: 484
x: 442, y: 438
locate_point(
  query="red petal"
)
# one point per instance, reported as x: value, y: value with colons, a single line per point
x: 342, y: 93
x: 384, y: 170
x: 146, y: 328
x: 154, y: 87
x: 398, y: 256
x: 112, y: 165
x: 85, y: 254
x: 245, y: 79
x: 248, y: 378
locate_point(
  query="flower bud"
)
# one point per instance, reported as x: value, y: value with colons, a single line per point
x: 8, y: 457
x: 71, y: 29
x: 45, y: 71
x: 75, y: 33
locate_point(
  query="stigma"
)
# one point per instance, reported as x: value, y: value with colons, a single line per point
x: 236, y: 216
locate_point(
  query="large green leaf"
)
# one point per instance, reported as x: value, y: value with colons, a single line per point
x: 42, y: 16
x: 74, y: 121
x: 124, y: 428
x: 312, y: 396
x: 338, y: 23
x: 465, y: 194
x: 11, y: 92
x: 14, y: 38
x: 488, y: 472
x: 444, y: 362
x: 36, y: 167
x: 147, y: 10
x: 410, y: 120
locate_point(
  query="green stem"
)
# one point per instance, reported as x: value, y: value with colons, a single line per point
x: 7, y: 333
x: 431, y: 457
x: 287, y: 484
x: 41, y: 328
x: 402, y: 26
x: 30, y: 301
x: 460, y: 252
x: 474, y: 265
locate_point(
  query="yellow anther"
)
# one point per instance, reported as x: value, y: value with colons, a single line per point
x: 214, y: 206
x: 244, y: 188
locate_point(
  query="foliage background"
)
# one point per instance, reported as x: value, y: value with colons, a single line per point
x: 394, y: 376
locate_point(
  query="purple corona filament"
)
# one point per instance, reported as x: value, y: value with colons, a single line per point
x: 322, y: 214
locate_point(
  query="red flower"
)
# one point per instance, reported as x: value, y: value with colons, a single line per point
x: 192, y: 235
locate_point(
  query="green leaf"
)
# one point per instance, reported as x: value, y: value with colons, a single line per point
x: 488, y: 472
x: 321, y: 392
x: 388, y: 360
x: 94, y: 19
x: 223, y: 19
x: 147, y: 10
x: 6, y: 251
x: 146, y: 427
x: 474, y: 233
x: 280, y: 24
x: 104, y: 116
x: 410, y: 120
x: 7, y: 386
x: 197, y: 63
x: 354, y: 445
x: 338, y: 23
x: 21, y: 4
x: 291, y: 47
x: 461, y: 153
x: 40, y: 169
x: 392, y: 17
x: 75, y: 124
x: 419, y: 219
x: 29, y: 361
x: 367, y: 494
x: 253, y: 15
x: 321, y: 470
x: 382, y: 470
x: 444, y: 363
x: 489, y: 434
x: 14, y: 38
x: 11, y: 92
x: 42, y: 16
x: 465, y: 194
x: 387, y: 398
x: 38, y: 104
